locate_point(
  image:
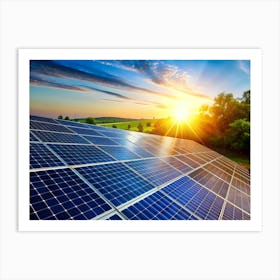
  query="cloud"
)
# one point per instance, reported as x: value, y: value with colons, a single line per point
x: 244, y: 66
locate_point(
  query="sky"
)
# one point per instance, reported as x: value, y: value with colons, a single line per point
x: 131, y: 88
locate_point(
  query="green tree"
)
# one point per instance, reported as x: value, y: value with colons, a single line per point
x: 67, y: 118
x: 128, y: 126
x: 238, y: 135
x: 114, y: 126
x: 140, y: 127
x: 90, y: 120
x: 148, y: 124
x: 60, y: 117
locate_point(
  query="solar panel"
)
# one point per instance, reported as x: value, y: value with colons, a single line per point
x: 48, y: 127
x: 82, y: 171
x: 120, y: 153
x: 115, y: 181
x: 100, y: 140
x: 47, y: 136
x: 85, y: 131
x: 61, y: 194
x: 155, y: 170
x: 157, y: 207
x: 41, y: 156
x: 80, y: 154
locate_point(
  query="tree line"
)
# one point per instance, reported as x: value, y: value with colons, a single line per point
x: 223, y: 125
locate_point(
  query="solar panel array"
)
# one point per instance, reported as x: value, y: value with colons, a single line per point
x: 82, y: 171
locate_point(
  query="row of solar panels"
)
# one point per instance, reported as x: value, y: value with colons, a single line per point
x: 138, y: 176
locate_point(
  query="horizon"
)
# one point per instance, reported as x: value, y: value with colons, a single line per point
x: 135, y: 89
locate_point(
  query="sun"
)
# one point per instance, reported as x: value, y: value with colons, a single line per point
x: 181, y: 112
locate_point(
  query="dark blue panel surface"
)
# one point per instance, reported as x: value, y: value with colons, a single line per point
x: 80, y: 154
x: 73, y: 123
x: 85, y: 131
x: 139, y: 151
x: 115, y: 181
x: 120, y: 153
x: 155, y: 170
x: 61, y: 195
x: 59, y: 137
x: 40, y: 157
x: 32, y: 137
x: 115, y: 217
x: 197, y: 199
x: 43, y: 119
x: 48, y: 127
x: 157, y: 207
x: 100, y: 140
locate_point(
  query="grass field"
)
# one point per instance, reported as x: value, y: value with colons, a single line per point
x: 148, y: 125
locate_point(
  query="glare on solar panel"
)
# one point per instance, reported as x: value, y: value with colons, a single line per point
x: 100, y: 140
x: 155, y: 170
x: 120, y: 153
x: 115, y: 181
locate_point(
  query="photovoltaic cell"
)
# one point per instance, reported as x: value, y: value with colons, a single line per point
x: 80, y: 154
x: 184, y: 168
x: 42, y: 119
x: 120, y: 153
x: 115, y: 181
x: 155, y: 170
x: 210, y: 181
x: 114, y: 217
x: 157, y: 207
x: 100, y: 140
x: 41, y: 157
x: 239, y: 199
x: 48, y: 127
x: 233, y: 213
x: 56, y: 137
x: 32, y: 137
x: 60, y: 194
x: 188, y: 161
x: 86, y: 131
x: 194, y: 197
x: 72, y: 123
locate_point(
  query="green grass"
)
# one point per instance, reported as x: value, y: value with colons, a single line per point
x: 134, y: 124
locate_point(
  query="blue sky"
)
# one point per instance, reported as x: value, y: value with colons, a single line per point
x: 131, y: 88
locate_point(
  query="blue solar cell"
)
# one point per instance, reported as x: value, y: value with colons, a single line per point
x: 111, y: 134
x: 157, y: 207
x: 85, y: 131
x: 32, y: 137
x: 100, y: 140
x: 155, y: 170
x: 48, y: 127
x: 183, y: 167
x: 40, y: 157
x: 122, y: 141
x: 60, y: 194
x: 43, y: 119
x: 233, y: 213
x: 194, y: 197
x: 210, y: 181
x: 120, y: 153
x: 72, y: 123
x: 114, y: 217
x: 56, y: 137
x: 115, y: 181
x: 80, y: 154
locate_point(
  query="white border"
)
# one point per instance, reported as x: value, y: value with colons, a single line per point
x: 254, y: 55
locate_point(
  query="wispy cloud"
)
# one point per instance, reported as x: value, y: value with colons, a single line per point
x: 244, y: 66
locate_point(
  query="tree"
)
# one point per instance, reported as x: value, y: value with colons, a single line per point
x: 60, y: 117
x: 90, y: 120
x: 67, y: 118
x: 140, y: 127
x: 128, y: 126
x: 148, y: 124
x: 238, y: 135
x: 114, y: 126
